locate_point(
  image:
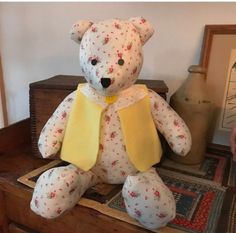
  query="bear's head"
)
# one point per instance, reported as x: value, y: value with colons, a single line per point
x: 111, y: 52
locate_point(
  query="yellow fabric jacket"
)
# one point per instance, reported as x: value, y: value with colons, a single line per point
x: 81, y: 141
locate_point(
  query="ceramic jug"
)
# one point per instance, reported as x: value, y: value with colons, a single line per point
x: 192, y: 103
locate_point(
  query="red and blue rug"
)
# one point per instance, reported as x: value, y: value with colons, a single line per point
x: 212, y: 168
x: 198, y: 202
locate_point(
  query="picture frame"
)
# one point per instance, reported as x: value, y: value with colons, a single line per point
x: 218, y: 56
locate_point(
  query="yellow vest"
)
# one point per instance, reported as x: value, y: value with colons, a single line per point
x: 81, y: 141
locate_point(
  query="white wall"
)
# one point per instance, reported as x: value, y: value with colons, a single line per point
x: 35, y: 43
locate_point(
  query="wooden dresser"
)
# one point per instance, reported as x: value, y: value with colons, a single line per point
x: 16, y: 159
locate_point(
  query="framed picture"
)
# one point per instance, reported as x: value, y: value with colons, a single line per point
x: 218, y: 56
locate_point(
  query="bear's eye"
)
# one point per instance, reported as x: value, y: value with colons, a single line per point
x: 121, y: 62
x: 94, y: 62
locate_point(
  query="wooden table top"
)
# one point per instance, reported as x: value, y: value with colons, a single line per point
x: 16, y: 157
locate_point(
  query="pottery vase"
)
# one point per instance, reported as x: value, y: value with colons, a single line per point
x: 192, y: 103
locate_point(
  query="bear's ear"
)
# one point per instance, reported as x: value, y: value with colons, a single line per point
x: 143, y: 27
x: 78, y: 30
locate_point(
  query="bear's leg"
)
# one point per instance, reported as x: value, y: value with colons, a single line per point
x: 148, y: 200
x: 59, y: 189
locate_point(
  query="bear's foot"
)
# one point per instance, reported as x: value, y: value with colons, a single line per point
x: 59, y: 189
x: 148, y: 200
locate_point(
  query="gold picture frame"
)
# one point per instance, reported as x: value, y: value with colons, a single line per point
x: 218, y: 43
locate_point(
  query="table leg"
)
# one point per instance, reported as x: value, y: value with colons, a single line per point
x: 3, y: 217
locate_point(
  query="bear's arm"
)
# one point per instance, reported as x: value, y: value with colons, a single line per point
x: 170, y: 125
x: 52, y: 134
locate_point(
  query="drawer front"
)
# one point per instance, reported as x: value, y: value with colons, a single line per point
x: 78, y: 220
x: 16, y: 228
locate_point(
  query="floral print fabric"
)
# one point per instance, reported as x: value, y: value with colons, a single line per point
x: 59, y: 189
x: 110, y: 50
x: 113, y: 165
x: 148, y: 200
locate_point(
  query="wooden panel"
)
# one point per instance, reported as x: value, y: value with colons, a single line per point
x: 16, y: 228
x: 14, y: 136
x: 46, y: 95
x: 3, y: 217
x: 16, y: 163
x: 59, y: 82
x: 77, y: 220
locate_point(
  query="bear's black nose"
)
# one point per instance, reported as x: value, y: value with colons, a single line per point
x: 106, y: 82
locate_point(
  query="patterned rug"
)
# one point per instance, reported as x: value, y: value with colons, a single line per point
x: 198, y: 202
x: 212, y: 168
x: 197, y: 191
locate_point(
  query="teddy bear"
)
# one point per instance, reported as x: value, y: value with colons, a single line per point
x: 107, y: 129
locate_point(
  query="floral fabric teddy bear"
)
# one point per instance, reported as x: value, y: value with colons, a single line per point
x: 106, y: 129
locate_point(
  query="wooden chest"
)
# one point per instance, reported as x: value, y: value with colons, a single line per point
x: 46, y: 95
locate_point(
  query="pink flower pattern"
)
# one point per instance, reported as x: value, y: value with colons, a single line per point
x: 59, y: 189
x: 153, y: 205
x: 113, y: 165
x: 146, y: 198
